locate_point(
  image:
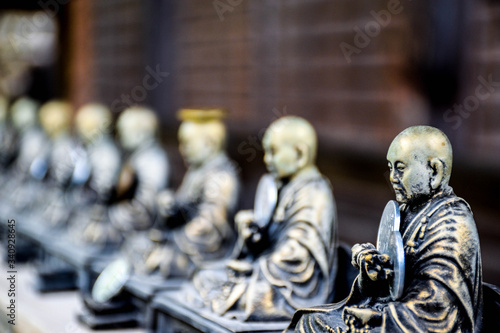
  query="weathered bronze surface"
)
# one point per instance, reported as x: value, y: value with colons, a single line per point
x: 287, y: 263
x: 443, y: 286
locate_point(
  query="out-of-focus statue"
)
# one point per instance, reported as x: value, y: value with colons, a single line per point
x: 443, y: 287
x: 144, y: 173
x: 31, y: 159
x: 32, y: 140
x: 197, y: 225
x: 132, y: 212
x: 55, y: 117
x: 101, y: 166
x: 286, y: 262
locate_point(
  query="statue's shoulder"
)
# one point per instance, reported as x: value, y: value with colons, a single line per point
x: 227, y: 165
x: 453, y: 210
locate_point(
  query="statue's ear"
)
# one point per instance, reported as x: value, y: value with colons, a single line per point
x: 302, y: 154
x: 437, y: 176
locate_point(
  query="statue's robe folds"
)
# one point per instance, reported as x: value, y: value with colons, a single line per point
x: 443, y: 283
x: 200, y: 227
x: 91, y: 224
x: 148, y: 168
x: 296, y: 270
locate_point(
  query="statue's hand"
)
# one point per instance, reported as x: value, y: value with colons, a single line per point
x: 376, y: 270
x: 361, y: 319
x: 356, y: 250
x: 244, y: 221
x: 165, y: 201
x: 197, y: 227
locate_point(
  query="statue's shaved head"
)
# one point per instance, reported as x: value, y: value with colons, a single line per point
x: 420, y: 159
x: 293, y: 130
x: 93, y: 120
x: 55, y: 117
x: 424, y: 143
x: 136, y: 126
x: 290, y: 145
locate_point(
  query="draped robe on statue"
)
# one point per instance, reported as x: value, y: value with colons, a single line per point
x: 298, y: 267
x: 443, y: 284
x: 202, y: 215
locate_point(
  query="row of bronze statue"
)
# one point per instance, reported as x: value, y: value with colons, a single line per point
x: 273, y: 263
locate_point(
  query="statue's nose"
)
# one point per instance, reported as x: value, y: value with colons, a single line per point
x: 392, y: 177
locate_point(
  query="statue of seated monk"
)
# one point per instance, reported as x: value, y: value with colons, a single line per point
x: 57, y: 205
x: 197, y: 218
x: 144, y: 174
x: 99, y: 167
x: 291, y: 261
x: 443, y: 285
x: 21, y: 188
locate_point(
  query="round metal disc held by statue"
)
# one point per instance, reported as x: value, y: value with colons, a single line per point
x: 266, y: 198
x: 390, y: 242
x: 111, y: 281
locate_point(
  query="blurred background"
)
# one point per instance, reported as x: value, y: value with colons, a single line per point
x: 360, y: 71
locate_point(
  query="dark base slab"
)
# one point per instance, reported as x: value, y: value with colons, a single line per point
x: 27, y: 233
x: 26, y: 250
x: 118, y: 313
x: 169, y: 314
x: 491, y: 308
x: 63, y: 265
x: 128, y: 309
x: 49, y: 279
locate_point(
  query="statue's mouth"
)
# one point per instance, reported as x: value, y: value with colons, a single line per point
x: 398, y: 190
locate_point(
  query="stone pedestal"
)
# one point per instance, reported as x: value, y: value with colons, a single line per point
x: 170, y: 314
x: 27, y: 236
x: 62, y: 262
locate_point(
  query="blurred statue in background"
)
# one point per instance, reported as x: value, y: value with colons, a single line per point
x: 31, y: 160
x: 144, y: 173
x: 289, y: 261
x: 32, y: 140
x: 55, y: 117
x: 442, y: 290
x: 197, y: 217
x: 101, y: 166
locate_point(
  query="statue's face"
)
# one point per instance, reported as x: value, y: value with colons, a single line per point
x: 410, y: 174
x: 56, y: 122
x: 24, y: 117
x: 92, y: 121
x: 194, y: 147
x: 133, y: 135
x: 281, y: 157
x: 91, y: 127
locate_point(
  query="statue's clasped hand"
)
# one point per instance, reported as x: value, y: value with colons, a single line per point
x: 248, y: 230
x: 165, y: 202
x: 376, y: 269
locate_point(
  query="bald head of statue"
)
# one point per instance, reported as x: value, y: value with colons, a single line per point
x: 290, y: 145
x: 200, y: 141
x: 420, y: 160
x: 92, y: 121
x: 136, y: 126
